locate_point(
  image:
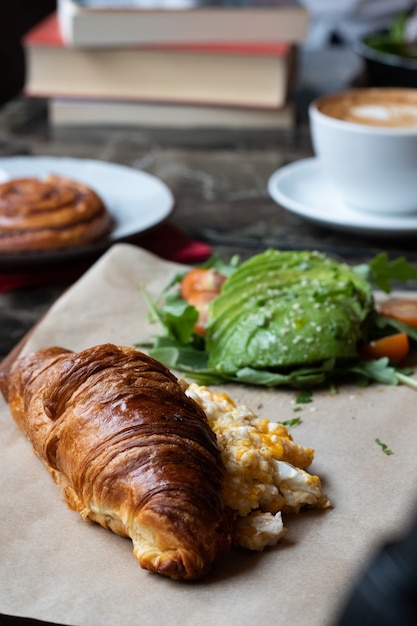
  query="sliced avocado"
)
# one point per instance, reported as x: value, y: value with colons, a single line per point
x: 282, y: 309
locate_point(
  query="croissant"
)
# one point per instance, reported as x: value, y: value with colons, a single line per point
x: 129, y: 451
x: 56, y: 212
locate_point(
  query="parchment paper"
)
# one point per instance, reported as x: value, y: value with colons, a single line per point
x: 55, y: 567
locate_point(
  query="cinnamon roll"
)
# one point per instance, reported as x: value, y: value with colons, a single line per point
x: 56, y: 212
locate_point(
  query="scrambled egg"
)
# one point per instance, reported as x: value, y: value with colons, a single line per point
x: 265, y: 469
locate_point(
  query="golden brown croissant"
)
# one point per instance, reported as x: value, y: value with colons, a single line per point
x: 53, y: 213
x: 129, y: 450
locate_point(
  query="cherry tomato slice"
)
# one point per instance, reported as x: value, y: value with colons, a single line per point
x: 201, y: 301
x: 402, y: 309
x: 201, y: 279
x: 395, y: 347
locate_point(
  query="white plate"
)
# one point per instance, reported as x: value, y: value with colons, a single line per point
x: 137, y: 200
x: 301, y: 188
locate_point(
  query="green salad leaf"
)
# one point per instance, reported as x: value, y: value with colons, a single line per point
x: 382, y: 273
x: 286, y: 318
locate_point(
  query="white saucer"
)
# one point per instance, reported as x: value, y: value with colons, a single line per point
x: 301, y: 188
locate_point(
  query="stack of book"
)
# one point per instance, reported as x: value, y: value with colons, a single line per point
x: 167, y: 63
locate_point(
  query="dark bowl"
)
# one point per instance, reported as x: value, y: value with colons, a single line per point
x: 385, y: 69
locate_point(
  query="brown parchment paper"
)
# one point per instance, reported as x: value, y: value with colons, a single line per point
x: 55, y: 567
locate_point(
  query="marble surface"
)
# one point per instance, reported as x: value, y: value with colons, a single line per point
x: 219, y: 181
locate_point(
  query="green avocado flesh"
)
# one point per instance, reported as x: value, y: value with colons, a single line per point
x: 281, y: 309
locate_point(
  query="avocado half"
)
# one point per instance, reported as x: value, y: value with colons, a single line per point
x: 281, y: 309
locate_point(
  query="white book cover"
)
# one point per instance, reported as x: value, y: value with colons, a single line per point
x: 92, y: 23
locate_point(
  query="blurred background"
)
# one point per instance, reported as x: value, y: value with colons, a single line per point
x: 326, y: 61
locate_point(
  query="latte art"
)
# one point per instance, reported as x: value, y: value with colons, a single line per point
x: 385, y: 107
x: 393, y: 115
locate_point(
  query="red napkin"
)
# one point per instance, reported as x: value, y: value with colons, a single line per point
x: 166, y: 241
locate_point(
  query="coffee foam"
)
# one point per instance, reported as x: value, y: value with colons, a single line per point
x: 396, y: 115
x: 386, y: 107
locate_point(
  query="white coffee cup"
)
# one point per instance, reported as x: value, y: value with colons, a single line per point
x: 366, y: 142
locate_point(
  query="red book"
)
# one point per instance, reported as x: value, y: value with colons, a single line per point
x: 49, y: 33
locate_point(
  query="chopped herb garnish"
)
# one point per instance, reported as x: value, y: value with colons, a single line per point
x: 292, y: 422
x: 383, y: 447
x: 304, y: 397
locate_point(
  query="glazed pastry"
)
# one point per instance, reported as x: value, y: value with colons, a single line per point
x: 128, y: 449
x: 53, y: 213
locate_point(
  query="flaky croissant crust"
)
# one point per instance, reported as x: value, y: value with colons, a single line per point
x: 129, y: 450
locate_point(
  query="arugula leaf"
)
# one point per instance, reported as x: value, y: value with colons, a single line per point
x: 177, y: 318
x: 297, y: 378
x: 193, y: 361
x: 169, y: 351
x: 404, y: 378
x: 382, y: 372
x: 378, y: 370
x: 187, y: 359
x: 216, y: 262
x: 382, y: 322
x: 180, y: 318
x: 382, y: 272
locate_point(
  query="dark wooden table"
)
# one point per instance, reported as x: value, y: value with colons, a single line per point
x: 219, y: 181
